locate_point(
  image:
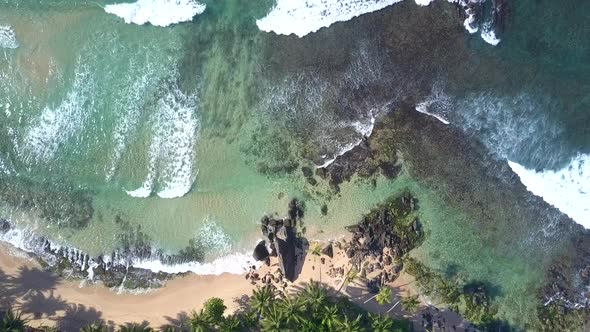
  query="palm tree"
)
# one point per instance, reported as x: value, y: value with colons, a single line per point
x: 273, y: 321
x: 12, y: 322
x: 262, y: 299
x: 330, y: 317
x: 315, y: 296
x: 94, y: 327
x: 292, y: 307
x: 316, y: 251
x: 351, y: 325
x: 230, y: 324
x: 200, y: 322
x: 135, y: 328
x: 381, y: 323
x: 350, y: 276
x: 411, y: 303
x: 384, y: 296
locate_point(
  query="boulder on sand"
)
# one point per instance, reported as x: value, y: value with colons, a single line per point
x: 260, y: 252
x: 286, y: 243
x: 328, y: 250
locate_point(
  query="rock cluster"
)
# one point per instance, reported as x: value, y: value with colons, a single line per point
x: 382, y: 238
x: 281, y: 235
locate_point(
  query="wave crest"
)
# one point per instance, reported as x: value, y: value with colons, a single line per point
x: 157, y: 12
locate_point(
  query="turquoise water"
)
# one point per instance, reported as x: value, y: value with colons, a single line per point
x: 197, y: 129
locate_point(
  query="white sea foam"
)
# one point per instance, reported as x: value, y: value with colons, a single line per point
x: 131, y: 110
x: 57, y: 124
x: 172, y: 151
x: 489, y: 35
x: 157, y: 12
x: 567, y: 189
x: 423, y: 108
x: 7, y: 37
x: 301, y: 17
x: 364, y: 129
x: 236, y: 263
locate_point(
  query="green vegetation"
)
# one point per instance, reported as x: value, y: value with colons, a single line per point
x: 384, y: 296
x: 12, y: 322
x: 555, y: 317
x: 471, y: 300
x: 411, y: 303
x: 314, y: 308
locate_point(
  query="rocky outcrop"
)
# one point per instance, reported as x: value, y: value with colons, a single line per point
x: 382, y: 238
x: 281, y: 234
x: 260, y: 252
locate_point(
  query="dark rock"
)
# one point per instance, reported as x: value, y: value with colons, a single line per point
x: 387, y: 260
x: 296, y: 209
x: 353, y: 228
x: 324, y: 210
x: 4, y: 225
x: 328, y: 250
x: 307, y: 172
x: 286, y: 243
x: 312, y: 181
x: 373, y: 286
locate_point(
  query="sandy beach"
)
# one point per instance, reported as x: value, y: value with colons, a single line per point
x: 47, y: 300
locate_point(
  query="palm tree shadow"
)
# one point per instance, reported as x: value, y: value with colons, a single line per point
x: 180, y: 322
x: 39, y: 305
x: 7, y: 295
x: 243, y: 303
x: 34, y: 280
x: 78, y: 316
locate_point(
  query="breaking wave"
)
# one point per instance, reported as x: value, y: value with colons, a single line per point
x: 515, y: 128
x: 58, y: 124
x: 157, y: 12
x: 172, y: 154
x: 568, y: 189
x: 7, y: 37
x: 304, y: 17
x: 29, y: 241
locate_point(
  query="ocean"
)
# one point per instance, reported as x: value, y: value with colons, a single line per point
x: 189, y: 120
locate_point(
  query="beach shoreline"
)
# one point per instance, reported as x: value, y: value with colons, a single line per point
x: 71, y: 304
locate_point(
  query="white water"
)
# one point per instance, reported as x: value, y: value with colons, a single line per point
x: 157, y: 12
x: 58, y: 124
x: 489, y: 35
x: 7, y: 37
x: 567, y: 189
x: 301, y: 17
x: 234, y: 263
x: 364, y: 129
x: 172, y: 155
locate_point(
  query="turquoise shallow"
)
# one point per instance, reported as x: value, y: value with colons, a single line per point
x: 195, y: 129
